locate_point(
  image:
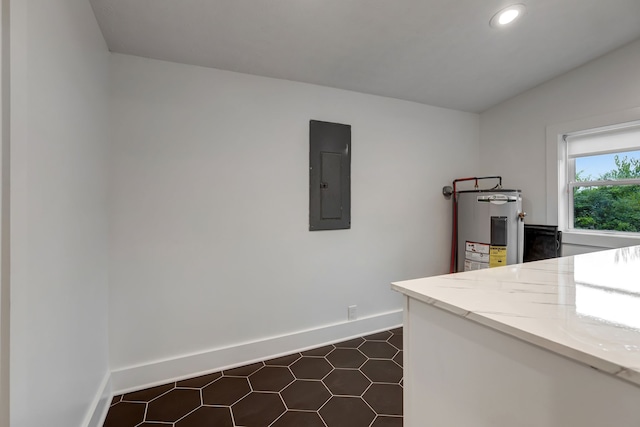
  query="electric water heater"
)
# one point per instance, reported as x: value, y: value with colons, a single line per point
x: 490, y: 229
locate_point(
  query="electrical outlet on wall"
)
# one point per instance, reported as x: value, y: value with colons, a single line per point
x: 352, y: 312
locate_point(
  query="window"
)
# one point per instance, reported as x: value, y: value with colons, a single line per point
x: 593, y: 179
x: 603, y: 179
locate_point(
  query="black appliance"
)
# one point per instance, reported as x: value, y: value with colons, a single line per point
x: 541, y: 242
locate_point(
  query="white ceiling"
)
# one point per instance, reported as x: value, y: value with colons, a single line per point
x: 436, y: 52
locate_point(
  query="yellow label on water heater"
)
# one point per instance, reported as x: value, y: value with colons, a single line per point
x: 497, y: 256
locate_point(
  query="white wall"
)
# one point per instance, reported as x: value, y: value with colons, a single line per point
x: 513, y: 134
x: 59, y: 259
x: 209, y: 207
x: 4, y: 214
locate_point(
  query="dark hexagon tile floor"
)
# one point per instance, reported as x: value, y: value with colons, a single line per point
x: 354, y: 383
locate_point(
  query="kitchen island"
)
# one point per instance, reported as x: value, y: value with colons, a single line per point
x: 552, y: 343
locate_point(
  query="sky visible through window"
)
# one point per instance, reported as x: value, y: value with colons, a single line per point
x: 595, y: 166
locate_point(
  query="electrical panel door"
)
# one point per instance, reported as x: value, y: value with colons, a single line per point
x: 329, y: 176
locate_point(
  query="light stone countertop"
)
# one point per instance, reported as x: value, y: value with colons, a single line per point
x: 584, y: 307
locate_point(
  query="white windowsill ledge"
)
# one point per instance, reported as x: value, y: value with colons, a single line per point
x: 599, y: 239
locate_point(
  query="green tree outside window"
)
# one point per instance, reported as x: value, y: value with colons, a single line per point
x: 616, y: 207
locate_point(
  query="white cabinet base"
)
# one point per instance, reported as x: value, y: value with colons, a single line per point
x: 462, y: 374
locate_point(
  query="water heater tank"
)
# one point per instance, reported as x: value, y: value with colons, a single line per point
x: 490, y: 230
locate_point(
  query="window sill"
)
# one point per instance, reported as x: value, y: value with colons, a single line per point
x: 600, y: 239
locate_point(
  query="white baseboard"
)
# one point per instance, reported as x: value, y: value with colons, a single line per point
x: 100, y: 406
x: 138, y: 377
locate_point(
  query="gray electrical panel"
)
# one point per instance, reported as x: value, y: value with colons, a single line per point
x: 329, y: 176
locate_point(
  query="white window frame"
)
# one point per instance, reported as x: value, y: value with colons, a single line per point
x: 559, y: 203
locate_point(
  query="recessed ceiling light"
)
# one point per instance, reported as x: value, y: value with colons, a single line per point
x: 507, y: 16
